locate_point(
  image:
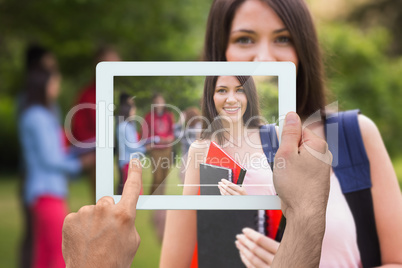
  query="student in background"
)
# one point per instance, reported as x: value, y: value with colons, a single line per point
x: 189, y: 130
x: 83, y: 125
x: 127, y: 135
x: 84, y: 120
x: 159, y: 122
x: 36, y: 57
x: 47, y: 166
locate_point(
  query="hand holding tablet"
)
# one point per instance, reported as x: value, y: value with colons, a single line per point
x: 104, y: 235
x: 303, y: 186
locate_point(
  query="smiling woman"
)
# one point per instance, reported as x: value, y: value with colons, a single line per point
x: 229, y: 98
x: 230, y: 109
x: 232, y: 98
x: 231, y: 118
x: 283, y: 30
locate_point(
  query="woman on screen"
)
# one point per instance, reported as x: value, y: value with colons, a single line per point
x: 283, y: 30
x: 232, y: 119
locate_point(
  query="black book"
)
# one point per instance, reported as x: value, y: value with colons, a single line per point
x: 216, y: 234
x: 210, y: 175
x: 217, y: 229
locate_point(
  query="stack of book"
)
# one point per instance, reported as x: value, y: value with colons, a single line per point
x: 217, y: 229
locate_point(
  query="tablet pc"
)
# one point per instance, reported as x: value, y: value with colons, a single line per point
x: 107, y: 72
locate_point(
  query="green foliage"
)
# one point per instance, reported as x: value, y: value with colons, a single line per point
x: 140, y: 30
x: 8, y: 135
x: 180, y: 91
x: 361, y: 75
x: 267, y: 89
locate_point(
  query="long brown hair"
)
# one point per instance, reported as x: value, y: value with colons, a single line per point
x: 298, y: 21
x: 212, y: 124
x: 36, y: 88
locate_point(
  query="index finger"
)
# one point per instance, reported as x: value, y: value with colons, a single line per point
x: 132, y: 187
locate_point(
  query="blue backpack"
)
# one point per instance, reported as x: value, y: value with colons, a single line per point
x: 352, y: 168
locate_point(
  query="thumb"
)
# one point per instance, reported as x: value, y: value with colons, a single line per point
x: 291, y: 134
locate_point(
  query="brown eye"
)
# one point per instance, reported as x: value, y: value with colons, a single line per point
x: 283, y: 39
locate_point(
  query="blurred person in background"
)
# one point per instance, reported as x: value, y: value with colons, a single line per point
x: 46, y: 165
x: 40, y: 57
x: 36, y: 56
x: 83, y: 125
x: 159, y: 122
x: 189, y: 129
x: 127, y: 137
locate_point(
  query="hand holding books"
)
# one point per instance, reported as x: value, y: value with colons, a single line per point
x: 228, y: 188
x: 218, y: 157
x: 222, y: 170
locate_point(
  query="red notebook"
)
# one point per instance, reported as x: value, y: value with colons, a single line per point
x: 218, y: 157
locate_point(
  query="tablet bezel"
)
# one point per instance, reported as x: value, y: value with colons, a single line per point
x: 105, y: 73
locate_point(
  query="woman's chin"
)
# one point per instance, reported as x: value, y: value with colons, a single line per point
x: 231, y: 118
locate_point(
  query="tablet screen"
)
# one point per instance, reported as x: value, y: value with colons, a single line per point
x: 153, y: 111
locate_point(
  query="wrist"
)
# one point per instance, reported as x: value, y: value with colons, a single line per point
x: 87, y: 263
x: 303, y: 213
x: 306, y: 217
x: 303, y: 238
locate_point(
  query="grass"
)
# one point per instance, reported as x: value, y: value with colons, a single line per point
x: 10, y: 221
x: 81, y: 194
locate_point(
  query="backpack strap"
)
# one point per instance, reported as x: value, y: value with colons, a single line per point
x: 350, y: 161
x: 269, y: 142
x: 352, y: 168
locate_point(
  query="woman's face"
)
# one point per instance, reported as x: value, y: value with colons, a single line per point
x: 160, y: 104
x: 258, y: 34
x: 229, y: 98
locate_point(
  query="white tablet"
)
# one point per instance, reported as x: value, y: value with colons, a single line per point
x: 283, y: 75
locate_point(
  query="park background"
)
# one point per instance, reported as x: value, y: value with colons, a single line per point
x: 361, y: 40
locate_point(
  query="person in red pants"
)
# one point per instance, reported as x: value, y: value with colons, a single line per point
x: 47, y: 165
